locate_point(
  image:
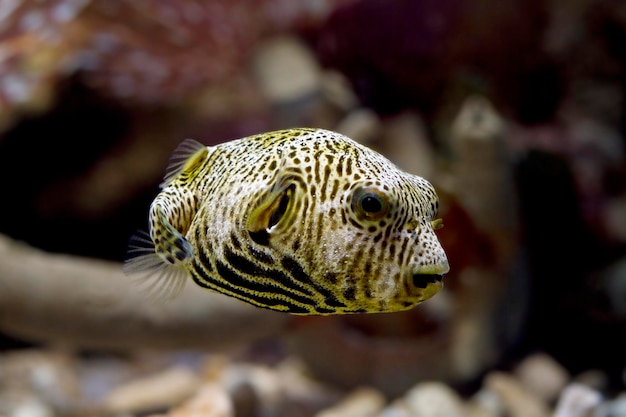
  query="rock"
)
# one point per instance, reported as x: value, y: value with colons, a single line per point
x: 24, y: 406
x: 474, y: 348
x: 406, y: 143
x: 99, y: 375
x: 211, y: 400
x: 483, y: 173
x: 398, y: 408
x: 577, y: 401
x: 362, y: 402
x: 594, y: 379
x: 290, y: 79
x: 353, y: 356
x: 281, y: 391
x: 337, y: 90
x: 434, y: 399
x: 362, y: 125
x: 38, y: 383
x: 164, y: 389
x: 543, y: 376
x: 302, y: 395
x: 516, y: 400
x: 484, y: 404
x: 245, y: 401
x: 286, y: 69
x: 103, y: 310
x: 614, y: 408
x: 253, y: 389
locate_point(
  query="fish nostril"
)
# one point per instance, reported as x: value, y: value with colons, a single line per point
x: 422, y: 280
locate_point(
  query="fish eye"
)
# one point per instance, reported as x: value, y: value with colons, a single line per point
x: 370, y: 203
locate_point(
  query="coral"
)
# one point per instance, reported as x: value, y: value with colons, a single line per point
x: 148, y: 52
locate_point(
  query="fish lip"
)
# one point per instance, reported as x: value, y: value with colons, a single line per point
x: 423, y: 280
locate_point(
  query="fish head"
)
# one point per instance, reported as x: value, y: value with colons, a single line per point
x: 395, y: 255
x: 364, y: 242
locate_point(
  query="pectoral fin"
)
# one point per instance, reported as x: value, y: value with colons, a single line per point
x: 157, y: 261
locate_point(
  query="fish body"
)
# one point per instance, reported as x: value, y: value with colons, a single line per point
x: 305, y: 221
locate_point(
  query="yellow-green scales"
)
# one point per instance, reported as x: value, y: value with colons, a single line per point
x: 305, y: 221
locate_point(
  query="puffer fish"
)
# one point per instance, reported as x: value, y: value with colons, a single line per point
x: 305, y: 221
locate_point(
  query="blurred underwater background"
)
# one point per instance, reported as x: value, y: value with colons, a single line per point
x: 514, y: 110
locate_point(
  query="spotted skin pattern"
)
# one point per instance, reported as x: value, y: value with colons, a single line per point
x: 304, y: 221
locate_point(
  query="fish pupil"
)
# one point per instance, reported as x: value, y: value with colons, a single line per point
x: 371, y: 203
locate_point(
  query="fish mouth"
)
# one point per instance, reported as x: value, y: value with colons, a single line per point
x: 423, y: 280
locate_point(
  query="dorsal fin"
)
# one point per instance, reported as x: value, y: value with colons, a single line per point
x: 188, y: 155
